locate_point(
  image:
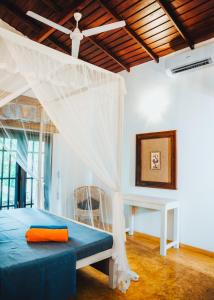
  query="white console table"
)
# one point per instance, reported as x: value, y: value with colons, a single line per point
x: 162, y: 205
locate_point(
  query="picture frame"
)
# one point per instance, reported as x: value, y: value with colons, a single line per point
x: 156, y: 160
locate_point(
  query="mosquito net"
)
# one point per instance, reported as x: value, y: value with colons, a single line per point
x: 62, y: 122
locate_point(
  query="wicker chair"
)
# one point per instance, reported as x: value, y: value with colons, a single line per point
x: 89, y: 204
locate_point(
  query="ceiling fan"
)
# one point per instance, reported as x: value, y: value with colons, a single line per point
x: 76, y: 35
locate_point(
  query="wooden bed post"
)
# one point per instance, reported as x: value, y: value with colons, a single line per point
x: 112, y: 274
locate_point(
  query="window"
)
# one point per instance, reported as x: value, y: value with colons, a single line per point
x: 8, y: 148
x: 18, y: 188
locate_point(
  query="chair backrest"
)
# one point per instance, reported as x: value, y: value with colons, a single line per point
x: 88, y: 194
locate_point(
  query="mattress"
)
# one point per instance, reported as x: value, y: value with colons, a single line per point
x: 29, y: 271
x: 84, y: 240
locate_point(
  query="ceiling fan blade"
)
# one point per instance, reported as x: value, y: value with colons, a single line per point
x: 75, y: 47
x: 48, y: 22
x: 100, y: 29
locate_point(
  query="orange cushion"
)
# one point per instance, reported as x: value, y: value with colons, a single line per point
x: 36, y: 235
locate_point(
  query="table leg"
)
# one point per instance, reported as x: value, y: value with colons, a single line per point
x: 163, y: 236
x: 131, y: 220
x: 176, y: 227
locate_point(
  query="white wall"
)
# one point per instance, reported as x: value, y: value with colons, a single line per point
x: 68, y: 172
x: 156, y: 102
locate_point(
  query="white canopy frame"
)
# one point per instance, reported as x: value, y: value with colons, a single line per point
x: 86, y: 105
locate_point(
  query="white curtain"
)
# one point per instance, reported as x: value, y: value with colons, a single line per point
x: 26, y: 135
x: 86, y: 105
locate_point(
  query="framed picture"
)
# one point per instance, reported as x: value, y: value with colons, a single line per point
x: 156, y: 160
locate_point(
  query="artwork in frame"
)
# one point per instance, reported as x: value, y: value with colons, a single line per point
x: 156, y: 160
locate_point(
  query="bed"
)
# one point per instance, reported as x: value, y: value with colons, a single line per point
x: 48, y: 270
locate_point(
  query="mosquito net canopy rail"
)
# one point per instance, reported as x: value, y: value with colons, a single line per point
x: 85, y: 103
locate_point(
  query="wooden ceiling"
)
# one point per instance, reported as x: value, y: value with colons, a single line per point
x: 154, y: 28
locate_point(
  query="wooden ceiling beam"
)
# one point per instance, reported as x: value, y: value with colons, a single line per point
x: 176, y: 22
x: 109, y: 53
x: 52, y: 5
x: 128, y: 30
x: 29, y: 126
x: 17, y: 12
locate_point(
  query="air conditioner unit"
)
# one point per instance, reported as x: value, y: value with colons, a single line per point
x: 190, y: 60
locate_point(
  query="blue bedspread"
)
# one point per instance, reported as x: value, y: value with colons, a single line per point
x: 42, y: 271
